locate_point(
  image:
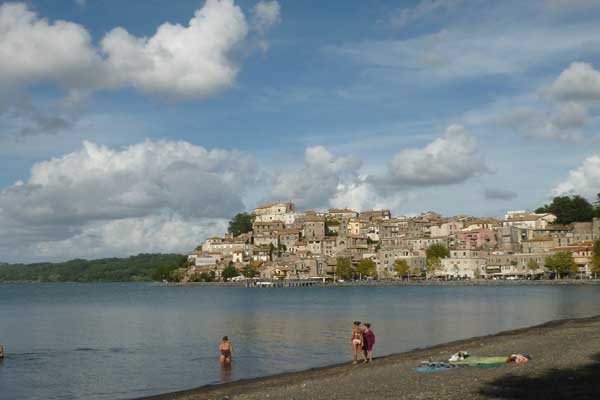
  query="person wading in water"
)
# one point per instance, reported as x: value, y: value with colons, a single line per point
x: 226, y: 349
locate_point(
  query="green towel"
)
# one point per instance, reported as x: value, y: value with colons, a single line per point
x: 481, y: 361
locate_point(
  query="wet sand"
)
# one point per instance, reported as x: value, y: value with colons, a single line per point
x: 565, y: 365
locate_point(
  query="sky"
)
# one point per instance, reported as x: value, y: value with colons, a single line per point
x: 143, y: 126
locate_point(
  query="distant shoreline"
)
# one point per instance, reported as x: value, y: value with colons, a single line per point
x: 416, y: 283
x: 357, y: 283
x: 566, y: 374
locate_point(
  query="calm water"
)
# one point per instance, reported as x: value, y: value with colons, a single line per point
x: 120, y: 341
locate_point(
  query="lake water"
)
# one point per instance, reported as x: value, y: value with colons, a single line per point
x: 121, y: 341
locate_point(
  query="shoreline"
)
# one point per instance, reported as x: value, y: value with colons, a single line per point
x: 310, y: 383
x: 481, y: 282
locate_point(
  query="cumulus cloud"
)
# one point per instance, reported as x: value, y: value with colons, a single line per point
x: 452, y: 158
x: 150, y: 187
x: 33, y: 49
x: 317, y: 182
x: 499, y: 194
x: 579, y: 82
x: 192, y: 61
x: 584, y: 180
x: 361, y: 195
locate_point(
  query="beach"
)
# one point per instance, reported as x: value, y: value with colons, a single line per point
x: 565, y: 365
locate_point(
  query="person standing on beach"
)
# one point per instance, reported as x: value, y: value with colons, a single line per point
x: 368, y: 342
x: 226, y: 349
x: 357, y: 342
x: 1, y: 351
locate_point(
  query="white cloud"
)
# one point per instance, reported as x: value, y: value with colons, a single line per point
x: 266, y: 14
x: 33, y: 49
x: 579, y: 82
x: 584, y: 180
x: 193, y: 61
x: 564, y: 122
x: 424, y: 8
x: 317, y: 182
x: 453, y: 158
x: 89, y: 195
x: 475, y: 42
x: 123, y: 237
x: 361, y: 195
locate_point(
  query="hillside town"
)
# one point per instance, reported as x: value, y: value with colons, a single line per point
x: 286, y: 244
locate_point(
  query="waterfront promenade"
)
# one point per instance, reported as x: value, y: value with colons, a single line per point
x: 565, y: 365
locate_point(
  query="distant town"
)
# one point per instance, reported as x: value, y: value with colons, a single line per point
x: 278, y: 242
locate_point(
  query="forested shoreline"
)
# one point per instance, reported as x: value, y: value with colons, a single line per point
x: 141, y: 267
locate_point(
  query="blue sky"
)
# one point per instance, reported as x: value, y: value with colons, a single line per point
x: 459, y: 106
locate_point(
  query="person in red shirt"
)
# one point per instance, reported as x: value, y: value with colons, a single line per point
x: 368, y: 342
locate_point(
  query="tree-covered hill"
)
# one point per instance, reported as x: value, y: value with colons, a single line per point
x: 143, y: 267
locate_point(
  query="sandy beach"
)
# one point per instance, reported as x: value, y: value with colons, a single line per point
x: 565, y: 365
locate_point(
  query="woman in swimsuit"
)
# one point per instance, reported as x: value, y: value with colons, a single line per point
x: 226, y: 349
x: 357, y: 342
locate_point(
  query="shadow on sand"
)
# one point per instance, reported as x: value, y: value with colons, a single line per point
x: 568, y: 383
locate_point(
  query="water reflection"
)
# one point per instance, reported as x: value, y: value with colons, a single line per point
x: 130, y: 340
x: 226, y: 372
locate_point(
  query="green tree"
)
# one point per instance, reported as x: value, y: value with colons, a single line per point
x: 561, y: 263
x: 241, y: 223
x: 366, y: 267
x: 249, y: 271
x: 596, y: 256
x: 343, y: 268
x: 569, y: 209
x: 532, y: 265
x: 437, y: 250
x: 229, y: 272
x: 433, y: 264
x: 401, y: 267
x: 596, y: 249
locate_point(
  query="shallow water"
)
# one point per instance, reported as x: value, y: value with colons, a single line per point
x: 120, y: 341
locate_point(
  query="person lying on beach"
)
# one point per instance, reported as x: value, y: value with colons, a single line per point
x: 226, y: 349
x: 357, y: 342
x: 368, y: 342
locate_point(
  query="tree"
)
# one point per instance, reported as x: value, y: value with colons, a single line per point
x: 433, y: 264
x: 241, y: 223
x: 596, y: 255
x: 401, y: 267
x: 229, y: 272
x: 437, y: 250
x: 434, y: 254
x: 597, y: 204
x: 596, y: 249
x: 569, y: 209
x: 249, y: 271
x: 561, y: 263
x: 532, y: 265
x: 366, y: 267
x: 343, y: 268
x: 596, y: 265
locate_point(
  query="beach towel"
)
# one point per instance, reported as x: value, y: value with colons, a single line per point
x: 482, y: 362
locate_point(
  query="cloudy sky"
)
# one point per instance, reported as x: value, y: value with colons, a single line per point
x: 144, y: 128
